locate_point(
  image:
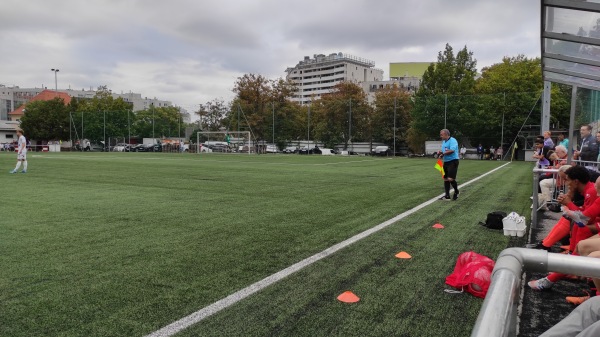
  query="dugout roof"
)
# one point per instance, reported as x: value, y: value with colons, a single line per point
x: 570, y: 42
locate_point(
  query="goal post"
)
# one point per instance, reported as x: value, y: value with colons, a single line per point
x: 224, y: 141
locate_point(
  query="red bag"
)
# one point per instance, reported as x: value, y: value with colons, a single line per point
x: 472, y: 273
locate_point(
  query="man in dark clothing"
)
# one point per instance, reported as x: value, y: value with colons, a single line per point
x: 480, y: 151
x: 588, y: 151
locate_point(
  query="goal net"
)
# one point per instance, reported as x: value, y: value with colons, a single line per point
x: 224, y: 141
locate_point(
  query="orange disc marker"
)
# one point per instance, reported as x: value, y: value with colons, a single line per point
x: 403, y: 255
x: 348, y: 297
x: 438, y: 225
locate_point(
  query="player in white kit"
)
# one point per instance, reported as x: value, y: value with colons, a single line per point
x: 21, y: 153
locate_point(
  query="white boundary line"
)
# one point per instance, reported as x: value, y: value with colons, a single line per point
x: 239, y: 295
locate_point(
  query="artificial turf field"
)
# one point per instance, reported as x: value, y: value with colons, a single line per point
x: 122, y: 244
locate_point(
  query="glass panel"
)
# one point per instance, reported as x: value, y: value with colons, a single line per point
x: 574, y: 67
x: 573, y: 22
x: 573, y: 49
x: 554, y: 77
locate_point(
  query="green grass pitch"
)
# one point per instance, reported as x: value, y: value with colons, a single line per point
x: 122, y: 244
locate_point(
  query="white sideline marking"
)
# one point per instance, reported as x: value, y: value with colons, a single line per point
x: 239, y: 295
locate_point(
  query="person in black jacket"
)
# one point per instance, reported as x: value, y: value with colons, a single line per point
x: 588, y: 150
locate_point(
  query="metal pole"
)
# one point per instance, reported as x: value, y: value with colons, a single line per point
x: 104, y: 127
x: 273, y: 123
x: 308, y: 133
x: 180, y: 144
x: 445, y: 108
x: 81, y: 143
x: 129, y: 126
x: 394, y: 126
x: 70, y: 130
x: 350, y: 124
x: 502, y: 135
x: 572, y: 123
x: 152, y: 107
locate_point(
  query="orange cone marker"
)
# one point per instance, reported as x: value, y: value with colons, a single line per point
x: 348, y: 297
x: 403, y: 255
x: 438, y: 225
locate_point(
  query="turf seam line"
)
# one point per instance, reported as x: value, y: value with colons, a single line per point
x: 239, y: 295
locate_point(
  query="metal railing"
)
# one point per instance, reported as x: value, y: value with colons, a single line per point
x: 498, y: 314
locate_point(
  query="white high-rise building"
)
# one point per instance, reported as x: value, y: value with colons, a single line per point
x: 318, y: 76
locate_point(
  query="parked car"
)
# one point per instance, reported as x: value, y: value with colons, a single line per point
x: 290, y: 149
x: 313, y: 150
x: 381, y: 151
x: 140, y: 148
x: 220, y: 148
x: 121, y: 147
x: 271, y: 149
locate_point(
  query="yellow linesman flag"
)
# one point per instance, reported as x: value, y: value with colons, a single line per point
x: 440, y: 166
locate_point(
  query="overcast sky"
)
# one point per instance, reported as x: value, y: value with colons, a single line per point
x: 191, y: 51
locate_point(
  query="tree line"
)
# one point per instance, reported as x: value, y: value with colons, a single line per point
x: 476, y: 108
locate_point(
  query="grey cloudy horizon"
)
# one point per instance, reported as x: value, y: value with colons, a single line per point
x: 190, y: 52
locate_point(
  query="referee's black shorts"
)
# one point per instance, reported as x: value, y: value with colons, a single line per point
x: 451, y: 169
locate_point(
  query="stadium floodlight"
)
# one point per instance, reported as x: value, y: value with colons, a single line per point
x: 224, y: 141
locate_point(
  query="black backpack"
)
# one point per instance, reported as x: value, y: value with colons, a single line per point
x: 494, y: 220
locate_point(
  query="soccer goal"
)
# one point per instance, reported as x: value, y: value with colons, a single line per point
x: 224, y: 141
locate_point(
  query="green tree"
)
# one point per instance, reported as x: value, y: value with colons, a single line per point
x: 212, y: 115
x: 46, y: 120
x: 445, y: 96
x: 102, y: 115
x: 342, y: 116
x: 392, y: 102
x: 263, y: 107
x: 509, y: 91
x: 161, y: 122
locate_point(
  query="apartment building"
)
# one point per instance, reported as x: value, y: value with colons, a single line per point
x: 13, y: 97
x: 318, y: 75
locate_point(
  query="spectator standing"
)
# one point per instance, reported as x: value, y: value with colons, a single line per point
x: 548, y: 142
x: 449, y: 153
x: 499, y: 153
x: 588, y: 150
x: 492, y: 152
x: 480, y: 152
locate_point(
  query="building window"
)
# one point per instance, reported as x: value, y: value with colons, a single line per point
x: 9, y: 136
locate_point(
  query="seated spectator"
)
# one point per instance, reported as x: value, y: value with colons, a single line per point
x: 549, y: 185
x: 586, y: 222
x: 499, y: 153
x: 577, y: 180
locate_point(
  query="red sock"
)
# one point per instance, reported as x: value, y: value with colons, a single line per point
x: 559, y: 231
x: 553, y: 277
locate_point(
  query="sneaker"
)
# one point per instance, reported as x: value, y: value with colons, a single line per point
x: 455, y: 196
x: 541, y: 284
x: 23, y: 171
x: 577, y: 300
x: 13, y: 171
x: 538, y: 245
x: 445, y: 198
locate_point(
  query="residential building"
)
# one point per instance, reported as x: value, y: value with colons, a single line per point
x: 400, y: 70
x: 8, y: 132
x: 12, y: 98
x: 44, y: 95
x: 410, y: 84
x: 318, y: 75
